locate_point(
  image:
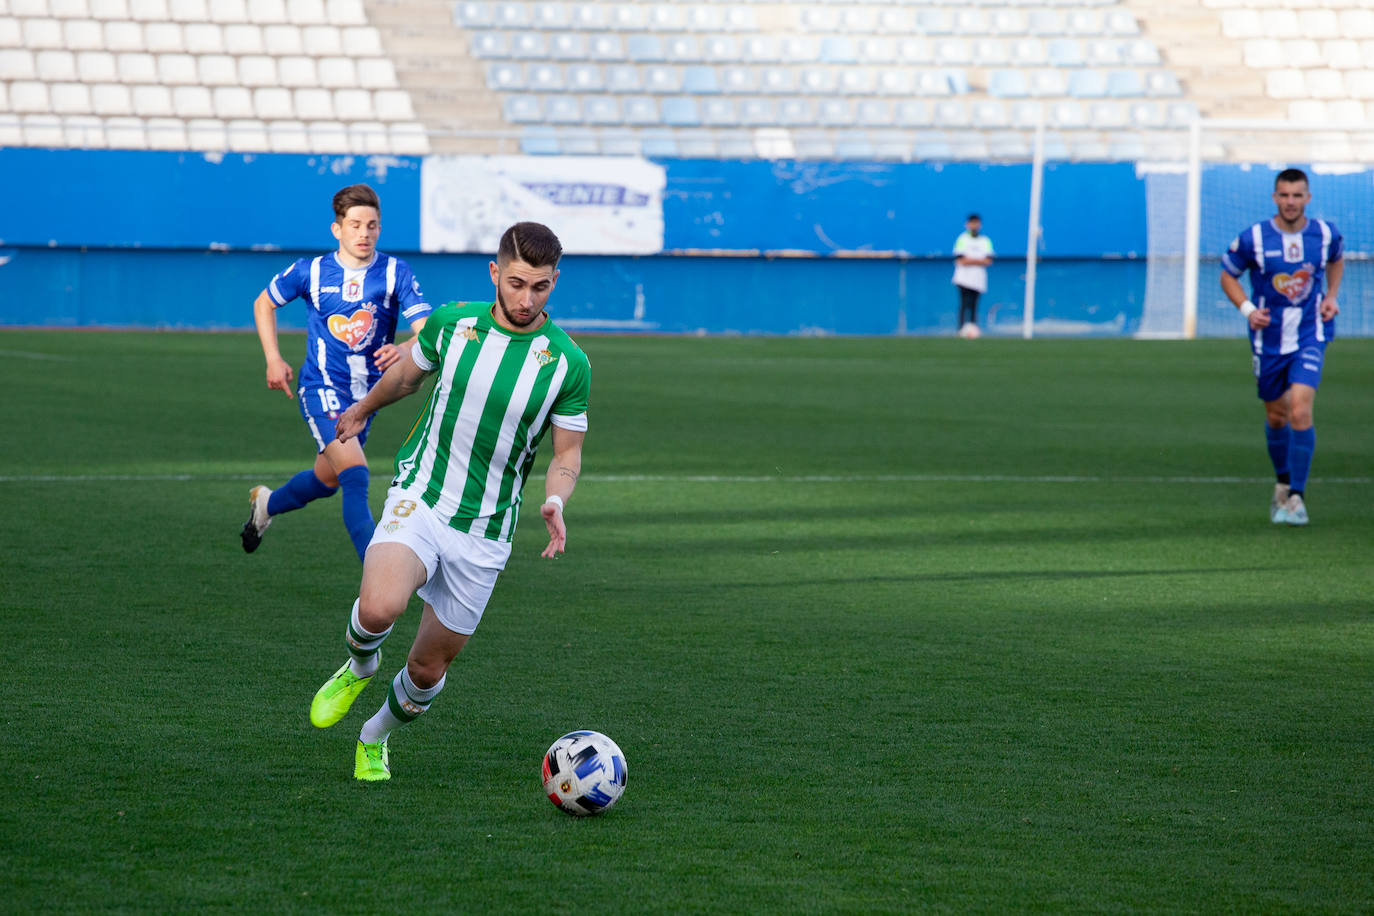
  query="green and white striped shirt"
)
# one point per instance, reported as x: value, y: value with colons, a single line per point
x: 497, y: 392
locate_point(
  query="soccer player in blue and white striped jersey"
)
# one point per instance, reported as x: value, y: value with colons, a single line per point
x: 1295, y: 272
x: 355, y: 298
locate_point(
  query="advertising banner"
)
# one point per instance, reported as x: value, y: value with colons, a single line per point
x: 595, y: 204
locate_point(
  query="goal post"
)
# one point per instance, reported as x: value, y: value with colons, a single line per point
x: 1196, y: 207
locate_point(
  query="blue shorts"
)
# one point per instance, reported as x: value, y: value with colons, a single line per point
x: 321, y: 407
x: 1274, y: 374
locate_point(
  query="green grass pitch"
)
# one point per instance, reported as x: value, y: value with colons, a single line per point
x: 882, y: 626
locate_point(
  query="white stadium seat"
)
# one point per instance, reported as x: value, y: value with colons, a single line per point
x: 282, y: 40
x: 229, y: 12
x: 137, y: 68
x: 152, y: 101
x: 96, y: 67
x: 160, y: 37
x: 217, y: 70
x: 166, y: 133
x: 376, y: 73
x: 288, y: 136
x: 243, y: 38
x: 55, y: 66
x: 393, y: 105
x: 232, y: 102
x: 149, y: 10
x: 41, y: 34
x: 322, y: 40
x: 267, y: 12
x: 346, y: 12
x: 315, y: 105
x: 42, y: 130
x: 28, y: 8
x: 125, y: 133
x: 109, y: 9
x: 298, y: 72
x: 11, y: 126
x: 12, y: 34
x: 177, y: 69
x: 369, y: 137
x: 188, y: 10
x: 111, y: 99
x: 273, y: 103
x: 70, y: 98
x: 359, y: 41
x: 338, y: 72
x: 354, y: 105
x: 306, y: 12
x: 207, y: 134
x: 78, y: 35
x: 257, y: 70
x: 192, y: 102
x: 69, y: 9
x: 83, y: 132
x: 246, y: 135
x: 328, y: 137
x: 124, y: 36
x: 204, y: 38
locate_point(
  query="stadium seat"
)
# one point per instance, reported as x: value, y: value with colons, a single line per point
x: 96, y: 67
x: 512, y: 16
x: 55, y: 66
x: 203, y: 38
x: 1010, y: 83
x: 762, y: 49
x: 152, y: 101
x: 661, y: 143
x: 912, y: 113
x: 286, y: 136
x: 1087, y: 84
x: 563, y: 109
x: 739, y: 80
x: 1067, y: 114
x: 70, y: 98
x: 111, y: 99
x: 314, y: 105
x: 42, y: 130
x: 41, y: 34
x: 757, y: 112
x: 177, y: 69
x: 83, y: 132
x: 267, y: 12
x: 680, y: 112
x: 779, y: 80
x: 489, y: 44
x: 551, y: 16
x: 377, y: 73
x: 307, y: 12
x: 149, y: 10
x: 257, y: 70
x: 391, y: 104
x: 1124, y: 83
x: 640, y: 109
x: 284, y: 40
x: 241, y: 38
x: 505, y: 76
x: 125, y: 133
x: 1065, y: 52
x: 328, y: 137
x: 521, y: 109
x: 160, y: 37
x: 567, y: 46
x: 217, y: 70
x: 700, y: 80
x: 607, y: 48
x: 601, y: 109
x: 953, y: 51
x: 1028, y: 52
x: 681, y: 49
x: 269, y: 104
x: 988, y: 114
x: 663, y: 79
x: 357, y: 105
x: 192, y: 102
x: 853, y: 145
x: 77, y: 34
x: 796, y: 112
x: 232, y: 102
x: 833, y: 112
x: 545, y: 78
x: 473, y: 15
x: 345, y: 12
x: 229, y: 12
x: 951, y: 113
x: 109, y: 9
x: 719, y: 112
x: 623, y: 78
x: 409, y: 139
x: 250, y: 136
x: 529, y: 45
x: 819, y: 82
x: 645, y: 48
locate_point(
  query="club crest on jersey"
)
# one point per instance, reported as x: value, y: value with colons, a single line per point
x: 544, y: 357
x: 1295, y: 286
x: 353, y: 290
x: 1294, y: 251
x: 354, y: 330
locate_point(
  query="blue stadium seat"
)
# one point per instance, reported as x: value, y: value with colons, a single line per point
x: 585, y: 78
x: 663, y: 79
x: 853, y: 145
x: 640, y: 109
x: 601, y: 109
x: 719, y: 112
x: 721, y: 48
x: 858, y: 81
x: 779, y: 80
x: 521, y: 109
x: 545, y: 78
x: 551, y: 16
x: 680, y: 112
x: 563, y: 109
x: 796, y: 112
x: 1008, y: 84
x: 645, y: 48
x: 819, y: 82
x: 762, y: 49
x: 661, y: 143
x: 579, y: 142
x: 682, y: 48
x: 472, y: 15
x: 833, y: 112
x: 739, y: 79
x: 623, y: 78
x: 505, y: 76
x: 837, y: 51
x: 700, y: 80
x: 874, y: 113
x: 490, y: 44
x: 935, y: 21
x: 1087, y: 84
x: 606, y: 47
x: 512, y: 16
x: 529, y: 45
x: 1065, y: 52
x: 697, y: 145
x: 539, y: 141
x: 568, y: 46
x: 1124, y: 83
x: 758, y: 112
x: 620, y: 142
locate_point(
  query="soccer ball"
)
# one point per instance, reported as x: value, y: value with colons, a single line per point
x: 970, y: 331
x: 584, y: 773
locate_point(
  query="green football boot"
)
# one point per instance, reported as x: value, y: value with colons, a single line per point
x: 332, y: 700
x: 370, y: 762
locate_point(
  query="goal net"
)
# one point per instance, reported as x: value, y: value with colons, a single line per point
x: 1232, y: 174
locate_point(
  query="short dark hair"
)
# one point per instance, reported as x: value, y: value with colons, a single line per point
x: 533, y: 243
x: 1291, y: 175
x: 355, y: 195
x: 971, y: 217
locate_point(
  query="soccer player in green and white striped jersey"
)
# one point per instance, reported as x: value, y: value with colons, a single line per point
x: 506, y: 376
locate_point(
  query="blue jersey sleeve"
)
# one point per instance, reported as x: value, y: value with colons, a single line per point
x: 290, y: 283
x: 1337, y: 249
x: 409, y: 299
x: 1240, y: 256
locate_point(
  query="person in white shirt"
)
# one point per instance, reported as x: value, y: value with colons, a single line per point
x: 972, y: 255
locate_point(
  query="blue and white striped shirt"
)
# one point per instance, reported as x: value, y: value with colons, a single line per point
x: 353, y: 311
x: 1287, y: 270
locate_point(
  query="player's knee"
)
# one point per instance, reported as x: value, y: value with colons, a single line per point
x: 1276, y: 413
x: 377, y: 610
x: 425, y: 672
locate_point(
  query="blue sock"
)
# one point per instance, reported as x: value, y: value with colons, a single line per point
x: 298, y: 491
x: 1300, y: 456
x: 356, y: 514
x: 1278, y: 440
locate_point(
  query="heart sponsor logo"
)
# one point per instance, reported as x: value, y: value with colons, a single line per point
x: 1294, y: 286
x: 353, y: 330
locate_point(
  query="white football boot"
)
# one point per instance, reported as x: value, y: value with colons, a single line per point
x: 1294, y: 512
x: 258, y: 519
x: 1279, y: 507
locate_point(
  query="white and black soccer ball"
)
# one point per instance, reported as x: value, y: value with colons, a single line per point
x: 584, y: 773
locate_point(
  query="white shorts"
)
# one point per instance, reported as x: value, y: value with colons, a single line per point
x: 460, y: 568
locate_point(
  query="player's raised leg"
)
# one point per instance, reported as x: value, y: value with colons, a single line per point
x: 412, y: 691
x: 391, y: 573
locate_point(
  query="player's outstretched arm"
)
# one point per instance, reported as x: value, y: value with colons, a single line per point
x: 558, y: 486
x: 278, y: 369
x: 387, y: 354
x: 402, y: 379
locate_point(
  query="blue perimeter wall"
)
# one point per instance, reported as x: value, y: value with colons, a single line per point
x: 186, y: 240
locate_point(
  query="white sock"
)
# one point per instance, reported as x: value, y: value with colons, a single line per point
x: 363, y: 645
x: 404, y: 702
